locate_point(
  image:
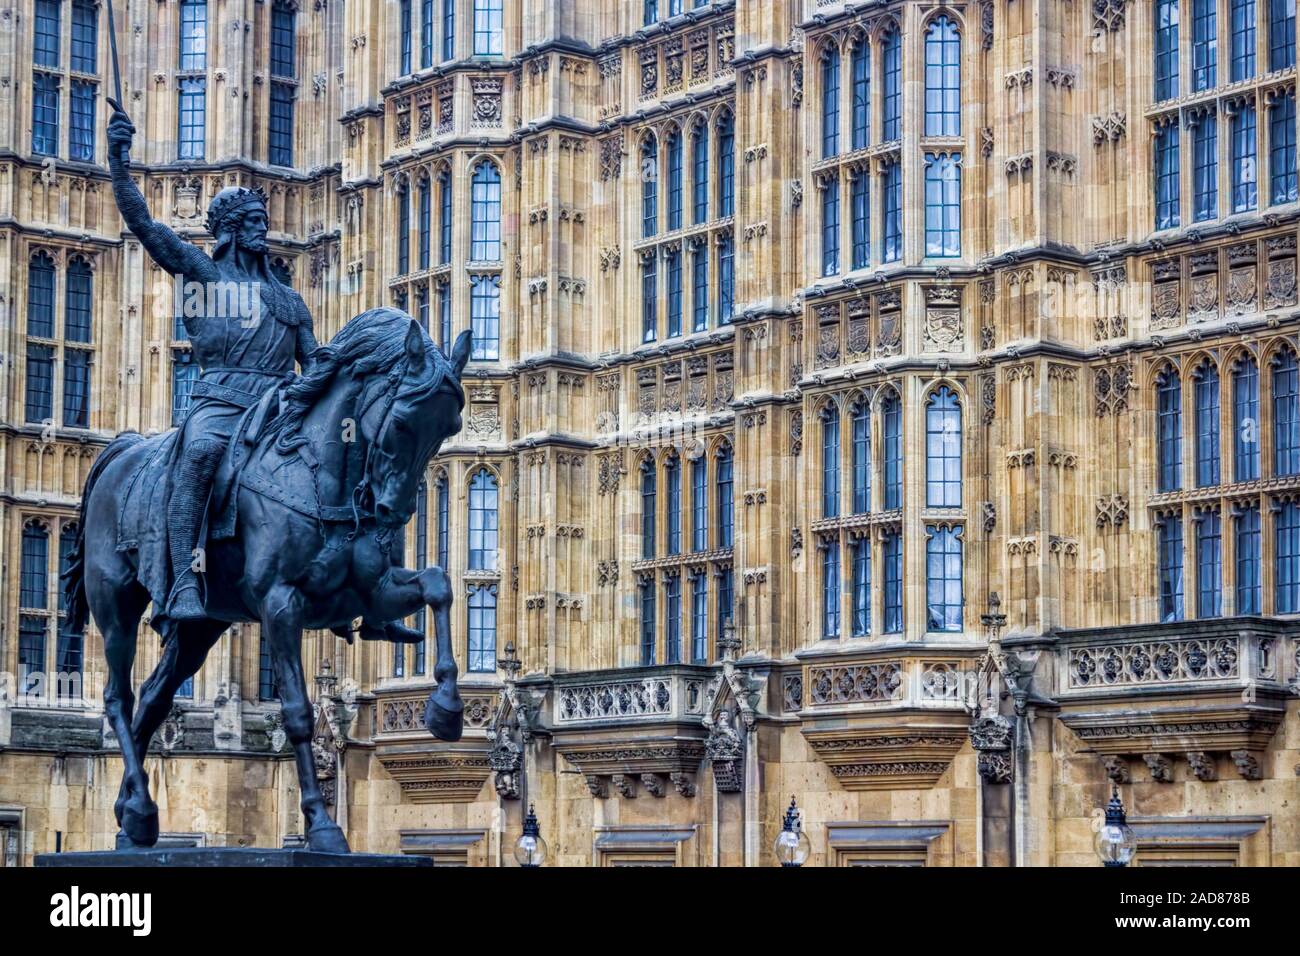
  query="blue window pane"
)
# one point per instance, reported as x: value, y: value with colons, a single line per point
x: 862, y: 587
x: 892, y: 105
x: 672, y: 619
x: 424, y: 216
x: 39, y: 404
x: 892, y: 555
x: 1245, y: 421
x: 32, y: 630
x: 700, y: 174
x: 192, y: 118
x: 1249, y: 587
x: 1170, y: 545
x: 649, y: 299
x: 830, y: 102
x: 649, y: 188
x: 283, y: 40
x: 942, y: 79
x: 942, y: 204
x: 830, y: 462
x: 861, y: 458
x: 404, y: 25
x: 483, y: 521
x: 1209, y: 565
x: 726, y: 500
x: 1281, y: 34
x: 443, y: 505
x: 943, y: 584
x: 726, y: 281
x: 1206, y: 386
x: 1204, y: 44
x: 45, y: 114
x: 861, y: 221
x: 892, y: 228
x: 444, y: 217
x: 76, y: 388
x: 426, y: 34
x: 403, y: 232
x: 831, y: 228
x: 674, y: 293
x: 648, y: 517
x: 1245, y: 195
x: 482, y: 629
x: 891, y: 414
x: 40, y: 296
x: 1286, y: 416
x: 699, y: 618
x: 861, y: 67
x: 448, y: 29
x: 831, y: 590
x: 943, y: 450
x: 1287, y: 560
x: 699, y: 504
x: 1166, y: 176
x: 647, y: 624
x: 673, y: 483
x: 485, y: 316
x: 45, y: 46
x: 1243, y: 39
x: 675, y: 181
x: 1166, y: 49
x: 700, y: 288
x: 81, y: 129
x: 726, y: 166
x: 726, y: 600
x: 33, y: 591
x: 280, y: 143
x: 485, y: 227
x: 1282, y: 153
x: 77, y: 315
x: 1205, y: 168
x: 1169, y: 431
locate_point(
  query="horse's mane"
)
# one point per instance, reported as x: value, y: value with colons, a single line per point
x: 372, y: 343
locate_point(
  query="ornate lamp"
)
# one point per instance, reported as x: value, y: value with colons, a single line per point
x: 792, y: 846
x: 1115, y: 842
x: 530, y: 849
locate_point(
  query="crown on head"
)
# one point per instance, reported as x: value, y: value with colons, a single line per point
x: 231, y: 203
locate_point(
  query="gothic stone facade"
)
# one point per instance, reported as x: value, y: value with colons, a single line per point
x: 802, y: 328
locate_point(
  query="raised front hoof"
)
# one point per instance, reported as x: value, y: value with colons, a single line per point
x: 139, y: 825
x: 445, y: 723
x: 327, y: 838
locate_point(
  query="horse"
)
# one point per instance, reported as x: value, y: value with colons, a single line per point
x: 337, y: 468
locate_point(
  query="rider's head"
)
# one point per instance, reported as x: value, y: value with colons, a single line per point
x: 237, y: 218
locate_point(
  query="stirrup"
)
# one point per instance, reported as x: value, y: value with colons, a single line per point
x: 184, y: 603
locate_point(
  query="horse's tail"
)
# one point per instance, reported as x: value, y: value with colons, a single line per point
x: 74, y: 576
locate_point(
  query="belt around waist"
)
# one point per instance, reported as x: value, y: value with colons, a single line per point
x: 224, y: 393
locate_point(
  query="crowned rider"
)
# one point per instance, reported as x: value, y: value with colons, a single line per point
x: 247, y: 328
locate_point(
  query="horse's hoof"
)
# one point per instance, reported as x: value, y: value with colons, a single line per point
x: 443, y: 722
x: 140, y: 823
x: 327, y: 838
x: 124, y: 842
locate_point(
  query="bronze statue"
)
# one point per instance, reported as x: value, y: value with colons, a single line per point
x: 302, y: 483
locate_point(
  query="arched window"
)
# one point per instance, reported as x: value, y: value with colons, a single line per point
x: 443, y: 533
x: 831, y: 590
x: 831, y: 227
x: 861, y: 66
x: 726, y: 165
x: 1286, y: 415
x: 1206, y: 385
x: 77, y: 310
x: 485, y: 227
x: 700, y: 173
x: 675, y: 180
x: 1245, y: 420
x: 1169, y: 430
x: 726, y: 499
x: 35, y: 578
x: 649, y: 187
x: 861, y: 457
x: 700, y: 504
x: 444, y: 217
x: 942, y: 79
x: 891, y: 415
x: 424, y: 224
x: 403, y: 230
x: 482, y: 629
x: 830, y: 101
x: 648, y: 492
x: 943, y: 450
x: 1170, y: 559
x: 488, y: 28
x: 1166, y: 49
x: 943, y: 589
x: 673, y: 480
x: 40, y: 296
x: 892, y: 73
x: 483, y: 521
x: 830, y: 461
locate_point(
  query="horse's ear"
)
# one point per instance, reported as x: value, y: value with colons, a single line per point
x: 460, y: 351
x: 415, y: 343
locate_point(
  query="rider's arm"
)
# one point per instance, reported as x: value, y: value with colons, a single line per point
x: 306, y: 342
x: 166, y: 248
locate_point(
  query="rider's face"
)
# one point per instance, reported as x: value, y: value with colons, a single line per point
x: 252, y: 231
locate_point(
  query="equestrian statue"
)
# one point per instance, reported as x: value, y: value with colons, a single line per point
x: 280, y: 499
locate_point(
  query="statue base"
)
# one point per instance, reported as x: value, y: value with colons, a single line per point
x: 223, y: 856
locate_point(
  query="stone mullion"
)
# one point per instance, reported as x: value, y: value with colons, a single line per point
x: 914, y: 536
x: 911, y: 157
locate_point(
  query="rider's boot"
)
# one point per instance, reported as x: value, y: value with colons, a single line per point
x: 190, y: 487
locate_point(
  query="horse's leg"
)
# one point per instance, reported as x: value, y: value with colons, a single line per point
x: 282, y: 615
x: 182, y: 657
x: 403, y: 592
x: 444, y: 712
x: 118, y: 619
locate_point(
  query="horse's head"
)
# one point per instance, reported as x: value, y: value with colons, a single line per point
x: 405, y: 424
